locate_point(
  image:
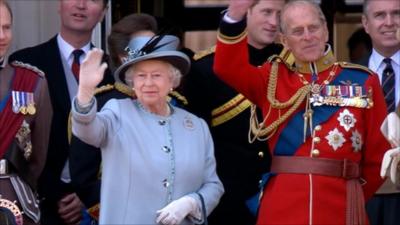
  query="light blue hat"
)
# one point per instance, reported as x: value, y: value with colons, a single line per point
x: 163, y: 47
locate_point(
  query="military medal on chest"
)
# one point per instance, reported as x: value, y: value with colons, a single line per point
x: 23, y: 139
x: 31, y: 104
x: 347, y: 119
x: 335, y: 139
x: 15, y: 101
x: 23, y: 102
x: 356, y: 141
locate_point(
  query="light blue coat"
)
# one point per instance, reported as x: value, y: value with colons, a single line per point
x: 148, y: 160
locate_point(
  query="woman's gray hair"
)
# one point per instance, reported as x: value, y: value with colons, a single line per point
x: 294, y: 3
x: 175, y: 75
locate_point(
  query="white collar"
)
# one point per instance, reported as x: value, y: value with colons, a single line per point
x: 376, y: 60
x: 66, y: 49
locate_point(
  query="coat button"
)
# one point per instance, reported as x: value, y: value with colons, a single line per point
x: 318, y: 128
x: 261, y: 154
x: 316, y: 139
x: 161, y: 122
x: 166, y: 149
x: 165, y: 183
x: 315, y: 152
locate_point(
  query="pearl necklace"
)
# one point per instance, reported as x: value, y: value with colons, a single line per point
x: 168, y: 110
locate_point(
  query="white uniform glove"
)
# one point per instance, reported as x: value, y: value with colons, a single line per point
x: 391, y: 130
x: 176, y: 211
x: 390, y: 163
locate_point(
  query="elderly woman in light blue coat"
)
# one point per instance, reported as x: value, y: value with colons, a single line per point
x: 158, y: 160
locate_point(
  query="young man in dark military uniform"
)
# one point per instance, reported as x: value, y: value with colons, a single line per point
x: 240, y: 164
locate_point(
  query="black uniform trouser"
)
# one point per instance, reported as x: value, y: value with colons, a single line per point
x: 384, y: 209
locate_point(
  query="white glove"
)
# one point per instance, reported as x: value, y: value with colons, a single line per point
x: 389, y: 164
x: 391, y: 129
x: 394, y: 168
x: 176, y: 211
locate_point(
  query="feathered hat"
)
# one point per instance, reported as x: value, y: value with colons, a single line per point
x: 162, y: 47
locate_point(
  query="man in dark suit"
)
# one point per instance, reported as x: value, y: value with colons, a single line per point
x: 381, y: 19
x: 59, y: 58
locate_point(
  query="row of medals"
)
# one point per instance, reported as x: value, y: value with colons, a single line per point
x: 339, y: 95
x: 23, y: 102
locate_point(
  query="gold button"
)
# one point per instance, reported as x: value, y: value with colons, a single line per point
x: 318, y: 128
x: 315, y: 152
x: 261, y: 154
x: 316, y: 139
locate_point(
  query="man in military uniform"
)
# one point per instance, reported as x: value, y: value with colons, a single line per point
x: 240, y: 164
x: 24, y: 132
x: 321, y: 117
x: 60, y: 58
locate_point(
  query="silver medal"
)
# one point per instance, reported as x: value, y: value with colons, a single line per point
x: 347, y: 119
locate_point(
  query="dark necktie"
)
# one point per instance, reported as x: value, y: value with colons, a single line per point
x: 76, y: 63
x: 388, y: 84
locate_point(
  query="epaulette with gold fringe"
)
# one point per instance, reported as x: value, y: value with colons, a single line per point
x: 94, y: 211
x: 356, y: 66
x: 104, y: 88
x: 287, y: 57
x: 204, y: 53
x: 229, y: 110
x: 29, y: 67
x: 123, y: 88
x: 288, y: 60
x: 229, y: 39
x: 178, y: 96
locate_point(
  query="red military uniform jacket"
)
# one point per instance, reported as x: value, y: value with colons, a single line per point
x: 347, y: 108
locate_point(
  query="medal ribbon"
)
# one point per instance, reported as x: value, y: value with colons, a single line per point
x: 25, y: 81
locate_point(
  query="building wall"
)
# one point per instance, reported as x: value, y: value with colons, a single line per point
x: 36, y: 21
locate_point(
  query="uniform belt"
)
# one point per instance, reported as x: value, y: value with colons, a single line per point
x: 346, y: 169
x: 319, y: 166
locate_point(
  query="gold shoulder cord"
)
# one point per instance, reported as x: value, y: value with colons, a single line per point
x: 259, y: 130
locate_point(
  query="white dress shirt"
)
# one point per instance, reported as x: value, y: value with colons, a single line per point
x: 377, y: 65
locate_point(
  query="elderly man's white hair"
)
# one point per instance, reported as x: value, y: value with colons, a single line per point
x: 295, y: 3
